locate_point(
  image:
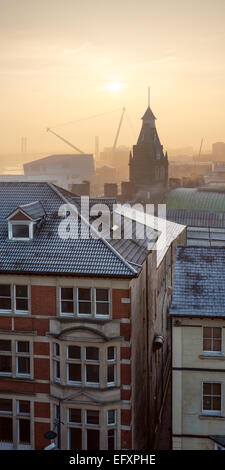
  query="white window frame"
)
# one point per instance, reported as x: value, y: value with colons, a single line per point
x: 210, y: 352
x: 22, y: 312
x: 10, y: 354
x: 90, y: 362
x: 7, y: 412
x: 90, y: 424
x: 111, y: 362
x: 21, y: 222
x: 73, y: 361
x: 4, y: 310
x: 73, y: 422
x: 23, y: 354
x: 102, y: 301
x: 64, y: 314
x: 56, y: 360
x: 213, y: 412
x: 21, y: 413
x: 85, y: 315
x: 115, y: 418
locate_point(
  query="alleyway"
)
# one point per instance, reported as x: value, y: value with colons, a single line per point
x: 163, y: 439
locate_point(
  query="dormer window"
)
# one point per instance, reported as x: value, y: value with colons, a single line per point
x: 23, y: 220
x: 20, y: 230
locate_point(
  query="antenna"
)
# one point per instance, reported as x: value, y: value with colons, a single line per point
x: 149, y: 97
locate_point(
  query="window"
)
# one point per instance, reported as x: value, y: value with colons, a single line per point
x: 22, y: 358
x: 56, y: 362
x: 6, y: 431
x: 5, y: 357
x: 23, y: 431
x: 92, y: 370
x: 20, y: 230
x: 212, y: 340
x: 90, y: 366
x: 211, y: 400
x: 74, y: 364
x: 15, y: 427
x: 92, y: 417
x: 111, y: 434
x: 111, y: 417
x: 67, y: 301
x: 5, y: 405
x: 21, y: 299
x: 92, y: 439
x: 84, y: 301
x: 111, y: 365
x: 87, y: 426
x: 102, y: 302
x: 6, y: 421
x: 75, y: 415
x: 75, y: 438
x: 5, y: 297
x: 23, y: 409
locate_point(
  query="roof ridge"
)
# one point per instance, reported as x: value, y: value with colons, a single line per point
x: 115, y: 252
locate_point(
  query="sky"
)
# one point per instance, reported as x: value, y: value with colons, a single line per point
x: 63, y: 61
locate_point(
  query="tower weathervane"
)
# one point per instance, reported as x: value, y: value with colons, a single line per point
x: 149, y: 97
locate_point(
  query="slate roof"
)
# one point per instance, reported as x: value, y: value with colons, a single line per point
x: 148, y: 115
x: 134, y: 250
x: 34, y: 210
x: 199, y: 288
x: 196, y: 218
x: 47, y: 253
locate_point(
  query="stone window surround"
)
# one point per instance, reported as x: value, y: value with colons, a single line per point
x: 103, y: 363
x: 103, y: 425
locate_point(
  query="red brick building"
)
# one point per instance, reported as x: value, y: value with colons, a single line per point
x: 78, y: 319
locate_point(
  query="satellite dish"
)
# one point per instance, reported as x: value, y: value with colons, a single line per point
x: 50, y: 435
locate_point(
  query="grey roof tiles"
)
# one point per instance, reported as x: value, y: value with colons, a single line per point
x: 199, y: 284
x: 47, y: 252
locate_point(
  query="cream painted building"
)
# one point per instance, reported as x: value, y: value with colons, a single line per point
x: 198, y: 349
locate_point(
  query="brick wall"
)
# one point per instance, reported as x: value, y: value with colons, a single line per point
x: 121, y: 310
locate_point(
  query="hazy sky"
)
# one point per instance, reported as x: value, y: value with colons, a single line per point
x: 59, y: 60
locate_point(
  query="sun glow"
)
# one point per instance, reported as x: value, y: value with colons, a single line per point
x: 115, y: 86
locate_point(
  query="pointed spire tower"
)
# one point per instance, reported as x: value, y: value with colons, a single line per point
x: 149, y: 165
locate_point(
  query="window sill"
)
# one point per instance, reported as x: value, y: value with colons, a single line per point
x: 67, y: 319
x: 212, y: 356
x: 18, y: 378
x: 85, y: 387
x: 217, y: 417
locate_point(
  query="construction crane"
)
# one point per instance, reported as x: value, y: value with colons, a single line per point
x: 64, y: 140
x: 199, y: 153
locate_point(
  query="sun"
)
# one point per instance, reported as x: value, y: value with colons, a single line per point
x: 115, y: 86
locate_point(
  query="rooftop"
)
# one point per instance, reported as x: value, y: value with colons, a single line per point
x: 201, y: 199
x: 95, y: 255
x: 199, y: 289
x: 47, y: 253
